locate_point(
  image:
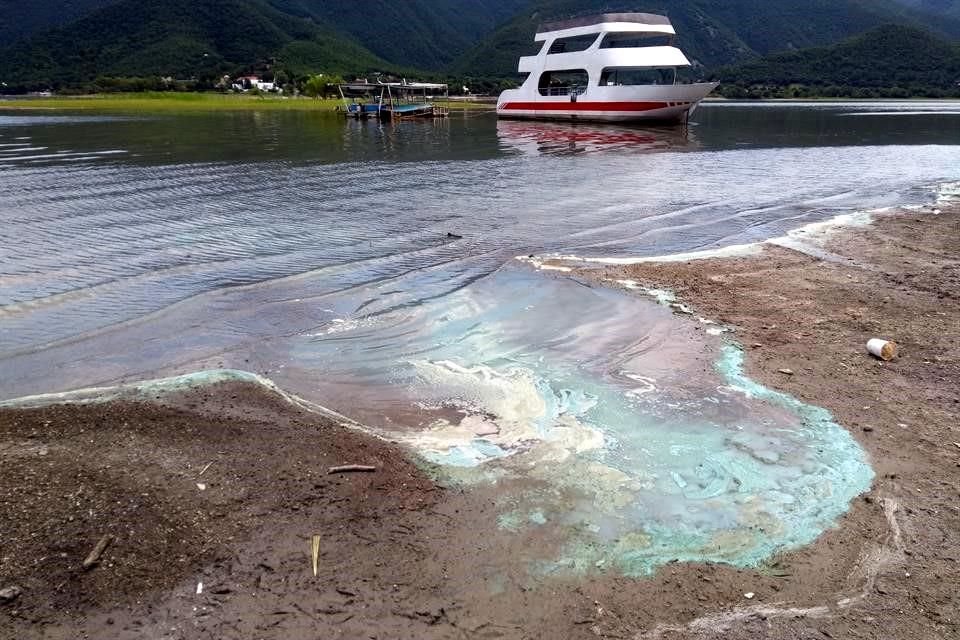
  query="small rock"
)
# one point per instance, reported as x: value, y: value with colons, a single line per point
x: 749, y: 595
x: 11, y: 593
x: 786, y: 372
x: 201, y: 486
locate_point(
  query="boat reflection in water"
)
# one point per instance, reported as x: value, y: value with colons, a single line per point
x: 554, y: 138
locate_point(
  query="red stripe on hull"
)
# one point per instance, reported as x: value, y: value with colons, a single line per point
x: 584, y: 106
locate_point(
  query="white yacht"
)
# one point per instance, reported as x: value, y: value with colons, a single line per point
x: 615, y: 67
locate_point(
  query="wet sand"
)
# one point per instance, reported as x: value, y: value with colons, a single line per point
x: 405, y: 556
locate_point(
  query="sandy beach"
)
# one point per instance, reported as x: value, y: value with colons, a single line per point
x: 210, y: 498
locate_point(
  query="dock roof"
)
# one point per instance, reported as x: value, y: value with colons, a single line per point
x: 365, y: 86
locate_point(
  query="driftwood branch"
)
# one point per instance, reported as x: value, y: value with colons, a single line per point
x: 98, y: 550
x: 352, y: 468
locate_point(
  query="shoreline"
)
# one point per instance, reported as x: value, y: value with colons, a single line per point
x: 191, y: 103
x: 789, y: 310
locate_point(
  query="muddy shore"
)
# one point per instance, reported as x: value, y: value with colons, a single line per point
x: 226, y: 485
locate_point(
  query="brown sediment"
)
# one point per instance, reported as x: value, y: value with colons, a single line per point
x: 403, y: 557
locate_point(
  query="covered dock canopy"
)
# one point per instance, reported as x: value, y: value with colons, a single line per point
x: 418, y: 87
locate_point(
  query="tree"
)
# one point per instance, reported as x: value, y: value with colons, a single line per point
x: 320, y: 85
x: 315, y: 86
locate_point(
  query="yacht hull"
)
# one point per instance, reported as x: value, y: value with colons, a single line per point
x: 607, y: 104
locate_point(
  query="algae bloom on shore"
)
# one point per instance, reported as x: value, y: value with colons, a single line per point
x: 628, y: 432
x: 633, y: 430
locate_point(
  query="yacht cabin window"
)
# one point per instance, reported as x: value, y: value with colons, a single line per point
x: 636, y: 40
x: 563, y: 83
x: 573, y: 44
x: 618, y: 77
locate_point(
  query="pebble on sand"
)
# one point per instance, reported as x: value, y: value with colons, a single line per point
x: 11, y: 593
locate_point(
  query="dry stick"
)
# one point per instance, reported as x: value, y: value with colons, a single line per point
x: 98, y: 550
x: 315, y: 548
x: 349, y: 468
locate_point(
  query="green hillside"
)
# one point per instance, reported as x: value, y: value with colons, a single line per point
x: 205, y: 38
x: 178, y: 38
x: 890, y: 61
x: 712, y: 32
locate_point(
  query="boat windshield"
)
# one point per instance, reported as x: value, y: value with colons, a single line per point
x: 622, y: 77
x: 636, y: 40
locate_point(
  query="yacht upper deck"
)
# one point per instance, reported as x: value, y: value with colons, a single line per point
x: 605, y: 22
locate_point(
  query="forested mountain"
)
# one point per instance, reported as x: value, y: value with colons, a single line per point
x: 20, y: 18
x: 890, y: 61
x: 206, y: 38
x: 712, y: 32
x: 179, y: 38
x: 191, y: 38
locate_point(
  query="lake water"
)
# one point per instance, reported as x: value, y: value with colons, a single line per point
x: 371, y: 269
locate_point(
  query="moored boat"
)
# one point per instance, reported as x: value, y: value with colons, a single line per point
x: 615, y: 67
x: 392, y: 100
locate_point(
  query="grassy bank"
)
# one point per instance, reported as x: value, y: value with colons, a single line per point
x: 173, y: 102
x: 170, y: 102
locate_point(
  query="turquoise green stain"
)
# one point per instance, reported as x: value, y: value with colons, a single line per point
x: 776, y: 504
x: 839, y: 463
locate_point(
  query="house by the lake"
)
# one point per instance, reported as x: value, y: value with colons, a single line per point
x: 248, y: 83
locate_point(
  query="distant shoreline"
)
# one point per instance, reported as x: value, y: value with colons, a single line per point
x: 189, y: 102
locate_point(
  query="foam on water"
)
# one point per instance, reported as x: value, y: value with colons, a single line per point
x: 158, y: 387
x: 948, y: 193
x: 502, y: 413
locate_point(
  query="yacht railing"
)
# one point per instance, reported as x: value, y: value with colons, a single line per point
x: 563, y: 91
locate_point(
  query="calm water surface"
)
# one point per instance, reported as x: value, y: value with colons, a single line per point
x: 370, y: 268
